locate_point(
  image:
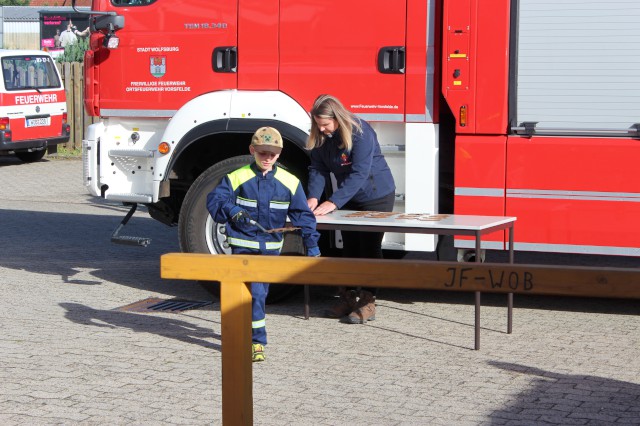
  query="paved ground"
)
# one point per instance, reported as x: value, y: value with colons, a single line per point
x: 69, y: 357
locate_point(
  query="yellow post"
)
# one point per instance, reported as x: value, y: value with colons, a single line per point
x: 237, y: 379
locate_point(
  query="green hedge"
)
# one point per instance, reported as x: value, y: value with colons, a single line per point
x: 74, y: 52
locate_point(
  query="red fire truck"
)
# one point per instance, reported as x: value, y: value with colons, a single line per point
x: 495, y: 107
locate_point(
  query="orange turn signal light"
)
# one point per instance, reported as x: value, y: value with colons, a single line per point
x: 463, y: 116
x: 164, y: 148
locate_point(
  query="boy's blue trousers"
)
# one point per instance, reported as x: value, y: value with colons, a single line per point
x: 259, y: 292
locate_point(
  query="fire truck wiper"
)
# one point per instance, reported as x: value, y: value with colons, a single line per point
x: 32, y: 88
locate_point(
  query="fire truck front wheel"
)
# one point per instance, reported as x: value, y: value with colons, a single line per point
x: 199, y: 233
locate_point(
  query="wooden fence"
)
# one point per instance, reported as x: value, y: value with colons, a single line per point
x: 73, y: 79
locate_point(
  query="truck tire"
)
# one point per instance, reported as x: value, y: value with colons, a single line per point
x: 31, y: 157
x: 469, y: 255
x: 199, y: 233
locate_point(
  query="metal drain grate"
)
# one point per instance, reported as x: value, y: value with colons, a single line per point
x: 154, y: 304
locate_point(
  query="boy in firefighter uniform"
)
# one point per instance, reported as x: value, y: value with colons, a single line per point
x: 253, y: 199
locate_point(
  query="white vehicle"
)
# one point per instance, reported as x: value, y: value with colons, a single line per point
x: 33, y: 105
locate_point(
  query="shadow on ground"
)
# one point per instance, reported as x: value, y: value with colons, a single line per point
x: 78, y: 248
x: 173, y: 328
x: 555, y: 398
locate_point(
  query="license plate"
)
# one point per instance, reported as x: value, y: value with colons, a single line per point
x: 36, y: 122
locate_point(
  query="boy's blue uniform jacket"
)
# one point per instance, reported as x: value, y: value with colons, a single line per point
x: 362, y: 174
x: 268, y: 199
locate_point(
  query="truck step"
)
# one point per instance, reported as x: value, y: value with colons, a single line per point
x: 129, y: 198
x: 140, y: 153
x: 130, y: 240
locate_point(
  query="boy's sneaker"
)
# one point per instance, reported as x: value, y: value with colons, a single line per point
x: 257, y: 352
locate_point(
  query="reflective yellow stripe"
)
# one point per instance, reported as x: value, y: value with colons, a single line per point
x: 240, y: 176
x: 259, y: 324
x: 279, y: 205
x: 243, y: 243
x: 246, y: 202
x: 238, y: 242
x: 287, y: 179
x: 274, y: 246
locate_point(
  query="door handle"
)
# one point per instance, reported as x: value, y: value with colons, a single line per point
x: 391, y: 60
x: 225, y: 59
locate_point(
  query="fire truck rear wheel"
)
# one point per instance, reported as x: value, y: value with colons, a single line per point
x: 199, y: 233
x: 469, y: 255
x: 31, y: 157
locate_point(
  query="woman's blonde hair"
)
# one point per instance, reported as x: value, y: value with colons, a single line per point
x: 327, y: 106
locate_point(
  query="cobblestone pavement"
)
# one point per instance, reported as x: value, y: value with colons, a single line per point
x: 69, y: 357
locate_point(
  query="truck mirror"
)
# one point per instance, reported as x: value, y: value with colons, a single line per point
x: 108, y: 23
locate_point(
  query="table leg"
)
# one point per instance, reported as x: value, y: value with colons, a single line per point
x: 477, y: 297
x: 306, y: 301
x: 511, y: 256
x: 510, y: 295
x: 509, y: 313
x: 477, y: 323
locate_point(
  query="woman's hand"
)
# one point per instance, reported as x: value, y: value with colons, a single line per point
x: 324, y: 208
x: 312, y: 203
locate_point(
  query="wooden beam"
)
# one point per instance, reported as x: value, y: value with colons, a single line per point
x: 235, y: 272
x: 409, y: 274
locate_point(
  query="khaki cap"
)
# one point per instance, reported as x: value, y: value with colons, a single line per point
x: 267, y: 137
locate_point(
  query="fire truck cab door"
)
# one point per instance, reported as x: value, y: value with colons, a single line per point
x: 194, y: 53
x: 352, y: 49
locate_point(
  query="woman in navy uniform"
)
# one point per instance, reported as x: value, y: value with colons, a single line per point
x: 347, y: 147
